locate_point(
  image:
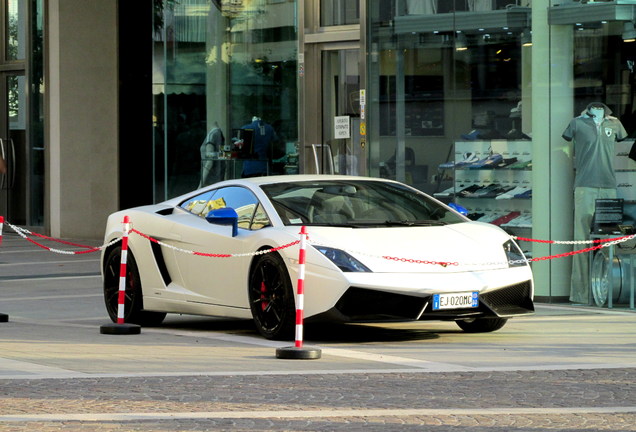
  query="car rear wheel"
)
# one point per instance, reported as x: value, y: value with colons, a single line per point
x: 481, y: 325
x: 271, y: 298
x: 133, y: 302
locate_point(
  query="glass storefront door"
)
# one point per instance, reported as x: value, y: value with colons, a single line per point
x: 14, y: 193
x: 21, y: 112
x: 336, y: 143
x: 341, y: 111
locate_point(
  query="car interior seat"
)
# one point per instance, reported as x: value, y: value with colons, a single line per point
x: 328, y: 207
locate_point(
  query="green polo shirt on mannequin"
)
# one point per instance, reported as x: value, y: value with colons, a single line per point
x: 594, y: 147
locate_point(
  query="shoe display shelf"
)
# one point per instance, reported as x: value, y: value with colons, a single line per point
x: 493, y: 181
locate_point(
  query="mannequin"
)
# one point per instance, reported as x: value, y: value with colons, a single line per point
x: 594, y: 134
x: 212, y: 170
x: 263, y: 137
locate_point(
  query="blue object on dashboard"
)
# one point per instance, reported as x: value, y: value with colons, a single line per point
x: 224, y: 216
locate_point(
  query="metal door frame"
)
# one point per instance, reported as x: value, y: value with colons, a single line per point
x: 314, y: 40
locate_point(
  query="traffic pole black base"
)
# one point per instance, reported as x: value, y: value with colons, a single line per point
x: 304, y: 353
x: 4, y: 317
x: 120, y: 329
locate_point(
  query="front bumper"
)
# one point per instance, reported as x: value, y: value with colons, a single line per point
x: 368, y: 305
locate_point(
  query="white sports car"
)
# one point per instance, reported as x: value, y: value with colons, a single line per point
x: 377, y: 251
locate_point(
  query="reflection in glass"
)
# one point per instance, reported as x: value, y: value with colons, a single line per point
x: 219, y: 64
x: 340, y: 12
x: 442, y: 78
x: 15, y: 29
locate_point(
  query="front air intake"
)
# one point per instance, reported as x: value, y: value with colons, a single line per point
x: 510, y: 300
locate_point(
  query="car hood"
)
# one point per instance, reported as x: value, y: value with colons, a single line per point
x: 470, y: 246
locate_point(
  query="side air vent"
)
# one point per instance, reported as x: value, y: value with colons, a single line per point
x: 161, y: 263
x: 165, y: 212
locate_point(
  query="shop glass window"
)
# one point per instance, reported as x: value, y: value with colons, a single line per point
x: 220, y: 64
x: 437, y: 77
x: 594, y: 79
x: 15, y: 19
x: 603, y: 71
x: 339, y: 12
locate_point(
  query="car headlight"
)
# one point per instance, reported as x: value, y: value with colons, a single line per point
x: 514, y: 255
x: 342, y: 259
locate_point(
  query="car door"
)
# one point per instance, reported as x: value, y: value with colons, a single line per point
x: 209, y: 279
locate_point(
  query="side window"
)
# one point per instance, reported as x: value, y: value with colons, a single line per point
x: 198, y: 205
x: 261, y: 220
x: 250, y: 213
x: 240, y: 199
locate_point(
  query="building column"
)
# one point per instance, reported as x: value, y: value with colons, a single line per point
x: 82, y: 149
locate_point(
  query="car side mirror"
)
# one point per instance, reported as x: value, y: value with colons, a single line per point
x: 459, y: 209
x: 224, y: 216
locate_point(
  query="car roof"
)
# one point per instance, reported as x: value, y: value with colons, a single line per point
x: 260, y: 181
x: 304, y: 177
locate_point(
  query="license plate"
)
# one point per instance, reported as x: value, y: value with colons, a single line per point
x: 456, y: 300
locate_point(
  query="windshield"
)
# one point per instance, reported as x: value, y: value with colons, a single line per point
x: 356, y: 203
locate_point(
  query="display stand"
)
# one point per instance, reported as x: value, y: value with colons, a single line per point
x: 481, y: 182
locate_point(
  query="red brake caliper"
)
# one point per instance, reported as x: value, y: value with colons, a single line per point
x: 264, y: 303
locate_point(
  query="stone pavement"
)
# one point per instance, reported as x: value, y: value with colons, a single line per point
x: 530, y: 400
x: 567, y: 368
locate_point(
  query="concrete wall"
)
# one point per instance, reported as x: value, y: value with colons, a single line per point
x: 82, y: 145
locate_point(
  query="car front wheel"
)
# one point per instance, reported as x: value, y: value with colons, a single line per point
x: 481, y: 325
x: 133, y: 302
x: 271, y: 298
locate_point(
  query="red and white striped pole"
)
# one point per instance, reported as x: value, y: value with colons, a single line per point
x: 122, y: 272
x: 298, y: 351
x: 3, y: 317
x: 300, y: 290
x: 122, y: 327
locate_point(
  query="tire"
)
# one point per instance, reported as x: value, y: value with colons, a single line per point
x: 133, y: 303
x: 271, y: 298
x: 481, y: 325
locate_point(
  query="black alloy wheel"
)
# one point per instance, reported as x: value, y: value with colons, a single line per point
x: 271, y: 298
x: 133, y: 302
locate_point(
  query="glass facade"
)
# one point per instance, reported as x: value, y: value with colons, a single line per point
x: 21, y: 112
x: 519, y: 111
x: 449, y: 88
x: 475, y: 102
x: 339, y: 12
x: 225, y: 91
x: 486, y: 104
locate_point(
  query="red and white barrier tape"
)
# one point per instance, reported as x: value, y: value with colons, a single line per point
x: 598, y: 244
x: 24, y: 233
x: 573, y: 242
x: 213, y: 255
